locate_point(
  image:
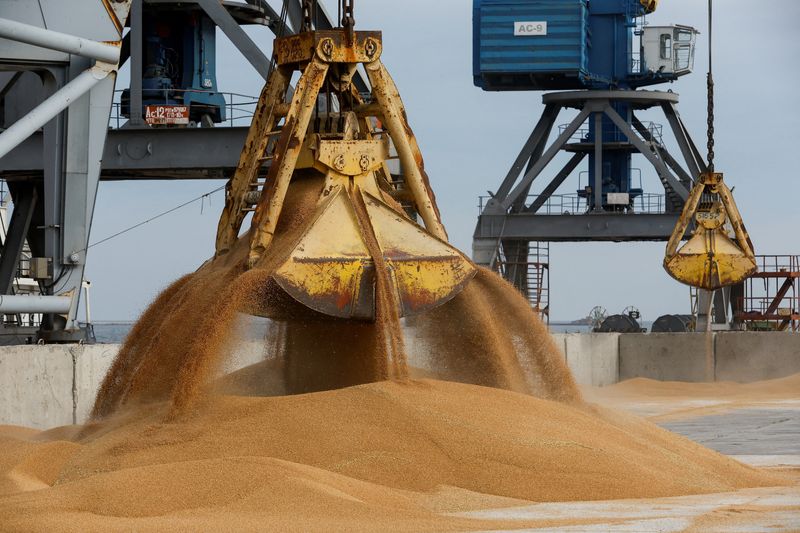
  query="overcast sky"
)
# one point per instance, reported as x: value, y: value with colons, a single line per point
x: 469, y: 139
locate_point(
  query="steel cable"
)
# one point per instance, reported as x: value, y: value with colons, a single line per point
x: 142, y: 223
x: 710, y: 88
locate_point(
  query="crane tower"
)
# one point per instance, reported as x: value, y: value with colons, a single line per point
x: 598, y: 56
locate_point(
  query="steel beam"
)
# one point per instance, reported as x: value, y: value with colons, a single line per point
x: 550, y: 115
x: 24, y: 206
x: 690, y: 154
x: 137, y: 63
x: 673, y: 163
x: 634, y: 139
x: 48, y: 218
x: 701, y: 162
x: 54, y: 40
x: 637, y: 99
x: 237, y: 35
x: 125, y: 49
x: 548, y: 156
x: 30, y: 303
x: 273, y: 16
x: 294, y: 13
x: 516, y: 263
x: 548, y: 191
x: 55, y: 104
x: 150, y: 153
x: 577, y: 228
x: 13, y: 77
x: 545, y: 123
x: 598, y: 162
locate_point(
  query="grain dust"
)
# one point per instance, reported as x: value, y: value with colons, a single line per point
x: 330, y: 428
x: 487, y: 334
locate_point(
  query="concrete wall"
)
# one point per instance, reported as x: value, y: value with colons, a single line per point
x: 55, y: 385
x: 742, y: 356
x: 36, y: 386
x: 754, y: 356
x: 560, y: 340
x: 663, y: 356
x: 91, y: 366
x: 593, y: 358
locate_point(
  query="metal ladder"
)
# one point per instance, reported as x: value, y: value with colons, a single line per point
x: 257, y: 185
x: 538, y: 278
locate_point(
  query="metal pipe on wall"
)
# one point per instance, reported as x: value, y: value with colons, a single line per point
x: 54, y: 40
x: 17, y: 303
x: 44, y: 112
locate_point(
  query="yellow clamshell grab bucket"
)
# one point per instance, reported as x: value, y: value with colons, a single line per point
x: 359, y: 223
x: 712, y: 257
x: 330, y: 270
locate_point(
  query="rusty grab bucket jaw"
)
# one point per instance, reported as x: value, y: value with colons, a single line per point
x: 330, y: 269
x: 719, y: 252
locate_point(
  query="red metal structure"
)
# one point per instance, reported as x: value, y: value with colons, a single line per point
x: 771, y: 298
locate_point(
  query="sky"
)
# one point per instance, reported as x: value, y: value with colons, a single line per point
x: 469, y: 139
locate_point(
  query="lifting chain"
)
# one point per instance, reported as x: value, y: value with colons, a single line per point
x: 348, y: 19
x: 710, y: 88
x: 308, y: 10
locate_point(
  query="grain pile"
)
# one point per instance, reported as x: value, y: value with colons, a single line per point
x: 177, y: 445
x: 661, y: 401
x: 389, y: 455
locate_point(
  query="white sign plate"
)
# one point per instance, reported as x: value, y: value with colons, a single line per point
x: 530, y: 28
x: 618, y: 198
x: 167, y: 114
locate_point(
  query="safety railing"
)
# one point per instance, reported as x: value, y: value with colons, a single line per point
x: 636, y: 178
x: 582, y: 134
x: 771, y: 299
x: 531, y: 276
x: 778, y: 263
x: 239, y: 108
x: 655, y: 131
x: 575, y: 204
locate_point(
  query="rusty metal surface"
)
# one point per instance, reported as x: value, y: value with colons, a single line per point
x: 328, y: 45
x: 255, y: 146
x: 710, y: 259
x: 287, y: 151
x: 396, y: 121
x: 331, y: 268
x: 650, y: 5
x: 334, y: 274
x: 771, y: 297
x: 352, y: 158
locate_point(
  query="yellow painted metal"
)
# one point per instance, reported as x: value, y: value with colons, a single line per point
x: 712, y: 257
x: 394, y: 118
x: 331, y: 46
x: 251, y: 159
x: 330, y: 266
x: 333, y: 273
x: 650, y: 5
x: 304, y: 100
x: 427, y: 271
x: 352, y: 158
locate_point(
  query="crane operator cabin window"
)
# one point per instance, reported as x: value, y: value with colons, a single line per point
x: 666, y: 46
